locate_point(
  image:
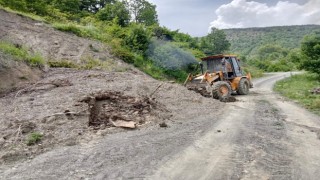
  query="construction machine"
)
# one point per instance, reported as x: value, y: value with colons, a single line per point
x: 221, y: 75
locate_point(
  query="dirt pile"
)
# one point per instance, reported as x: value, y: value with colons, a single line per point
x: 50, y: 106
x: 201, y: 89
x: 114, y: 109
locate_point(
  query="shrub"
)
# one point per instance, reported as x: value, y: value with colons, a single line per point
x: 20, y: 53
x: 90, y: 63
x: 34, y: 138
x: 138, y: 39
x: 61, y: 64
x: 36, y: 60
x: 16, y: 51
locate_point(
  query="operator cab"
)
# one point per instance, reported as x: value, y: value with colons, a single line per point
x: 228, y: 64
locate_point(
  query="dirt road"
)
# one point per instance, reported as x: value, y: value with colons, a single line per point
x: 262, y: 136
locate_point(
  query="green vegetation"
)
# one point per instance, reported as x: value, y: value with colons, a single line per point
x: 20, y: 53
x: 131, y: 28
x: 255, y: 72
x: 310, y: 48
x: 34, y: 138
x: 61, y: 64
x: 270, y: 49
x: 298, y: 88
x: 248, y: 41
x: 215, y: 42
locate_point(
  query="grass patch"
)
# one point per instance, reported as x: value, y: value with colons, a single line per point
x: 29, y: 15
x: 20, y: 53
x: 87, y: 31
x: 34, y: 138
x: 62, y: 64
x: 298, y: 87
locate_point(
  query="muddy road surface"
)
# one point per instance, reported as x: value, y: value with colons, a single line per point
x: 261, y: 136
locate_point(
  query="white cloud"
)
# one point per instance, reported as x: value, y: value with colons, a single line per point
x: 243, y: 13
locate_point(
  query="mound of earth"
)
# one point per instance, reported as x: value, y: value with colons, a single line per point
x: 64, y: 107
x: 69, y: 106
x: 113, y: 108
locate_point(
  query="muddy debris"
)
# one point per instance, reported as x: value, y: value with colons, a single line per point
x: 61, y: 82
x: 201, y: 89
x: 229, y: 99
x: 114, y: 109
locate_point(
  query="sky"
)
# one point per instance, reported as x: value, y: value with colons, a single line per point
x: 196, y: 17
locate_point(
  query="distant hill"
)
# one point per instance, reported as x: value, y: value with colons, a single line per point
x: 247, y: 41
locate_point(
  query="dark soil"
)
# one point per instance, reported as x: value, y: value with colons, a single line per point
x: 107, y: 107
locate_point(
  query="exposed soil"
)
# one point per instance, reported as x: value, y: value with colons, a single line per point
x: 68, y: 106
x: 15, y: 74
x: 54, y: 106
x: 52, y: 44
x: 261, y: 136
x: 113, y: 108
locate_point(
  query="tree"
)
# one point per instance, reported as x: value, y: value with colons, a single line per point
x: 143, y: 12
x: 19, y: 5
x: 271, y: 52
x: 138, y: 39
x: 115, y: 10
x: 310, y: 48
x: 70, y: 6
x: 94, y: 5
x: 215, y: 42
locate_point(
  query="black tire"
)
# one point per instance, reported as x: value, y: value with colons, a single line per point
x: 244, y: 86
x: 221, y: 90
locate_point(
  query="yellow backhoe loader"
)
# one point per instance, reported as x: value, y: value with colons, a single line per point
x: 220, y: 76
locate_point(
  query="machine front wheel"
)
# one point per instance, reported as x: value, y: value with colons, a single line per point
x: 244, y: 86
x: 221, y: 90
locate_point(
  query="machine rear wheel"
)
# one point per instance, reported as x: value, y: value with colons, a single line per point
x: 221, y: 90
x: 244, y: 86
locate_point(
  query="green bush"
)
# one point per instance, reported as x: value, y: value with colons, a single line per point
x: 138, y: 39
x: 16, y: 51
x: 121, y: 51
x: 20, y: 53
x: 90, y: 63
x: 36, y: 60
x: 62, y: 64
x: 34, y: 138
x: 310, y: 48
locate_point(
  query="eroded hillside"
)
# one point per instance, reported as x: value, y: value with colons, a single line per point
x: 54, y: 108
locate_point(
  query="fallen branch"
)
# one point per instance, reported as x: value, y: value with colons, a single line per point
x: 155, y: 90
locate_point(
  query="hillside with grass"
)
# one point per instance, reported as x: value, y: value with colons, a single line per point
x: 247, y: 41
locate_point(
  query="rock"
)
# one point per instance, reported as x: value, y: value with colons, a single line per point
x: 27, y: 127
x: 163, y: 125
x: 124, y: 124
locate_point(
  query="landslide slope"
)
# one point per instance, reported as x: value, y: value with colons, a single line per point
x: 50, y: 110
